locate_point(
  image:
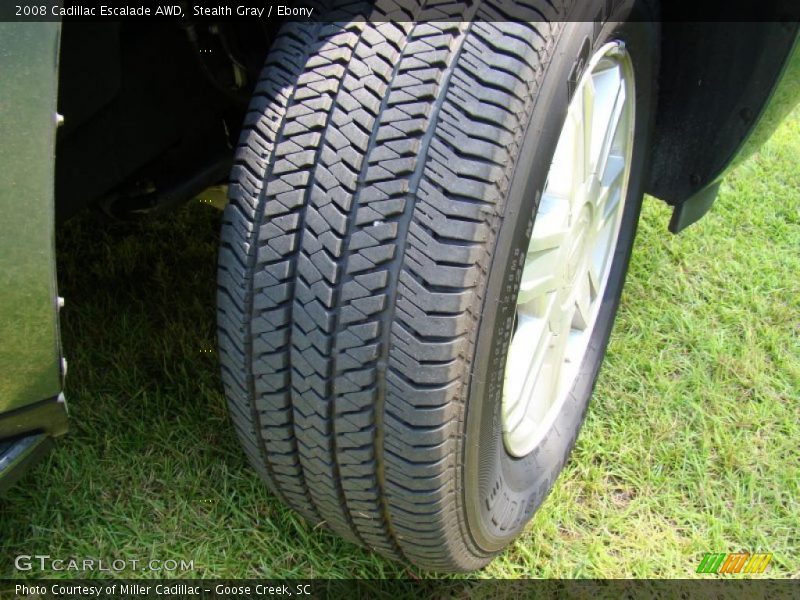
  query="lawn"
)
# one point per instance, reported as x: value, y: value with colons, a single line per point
x: 691, y: 445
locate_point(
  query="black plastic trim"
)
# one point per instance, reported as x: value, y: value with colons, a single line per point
x: 694, y: 208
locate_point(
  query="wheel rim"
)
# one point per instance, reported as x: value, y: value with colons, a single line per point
x: 570, y: 254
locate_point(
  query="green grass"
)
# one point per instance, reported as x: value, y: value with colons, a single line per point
x: 690, y: 445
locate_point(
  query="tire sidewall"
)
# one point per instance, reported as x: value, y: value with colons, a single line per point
x: 501, y: 492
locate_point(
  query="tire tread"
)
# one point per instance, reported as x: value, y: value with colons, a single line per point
x: 365, y: 196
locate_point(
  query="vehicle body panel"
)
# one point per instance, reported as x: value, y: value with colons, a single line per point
x: 785, y: 96
x: 30, y: 355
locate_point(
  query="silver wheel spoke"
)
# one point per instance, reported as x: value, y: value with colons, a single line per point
x: 547, y: 239
x: 553, y: 364
x: 589, y: 102
x: 606, y: 204
x: 531, y: 367
x: 615, y: 167
x: 594, y: 278
x: 536, y: 284
x: 542, y: 271
x: 609, y: 112
x: 583, y: 304
x: 570, y: 253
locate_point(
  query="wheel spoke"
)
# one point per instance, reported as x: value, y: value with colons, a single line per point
x: 561, y: 178
x: 610, y: 104
x: 606, y: 204
x: 533, y: 333
x: 540, y: 276
x: 583, y: 303
x: 537, y: 333
x: 543, y: 264
x: 554, y: 362
x: 588, y: 116
x: 614, y: 168
x: 550, y: 226
x: 594, y: 278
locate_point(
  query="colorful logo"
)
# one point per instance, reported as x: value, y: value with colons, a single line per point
x: 742, y: 562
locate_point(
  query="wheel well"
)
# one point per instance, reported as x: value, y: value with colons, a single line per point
x: 715, y: 80
x: 152, y: 111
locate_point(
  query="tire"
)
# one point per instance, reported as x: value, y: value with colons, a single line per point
x: 383, y: 191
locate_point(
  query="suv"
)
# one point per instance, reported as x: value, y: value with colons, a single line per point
x: 430, y: 212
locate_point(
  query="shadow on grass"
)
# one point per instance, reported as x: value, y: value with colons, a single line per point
x: 151, y: 467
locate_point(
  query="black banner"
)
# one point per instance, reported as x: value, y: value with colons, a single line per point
x: 209, y: 589
x: 397, y: 10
